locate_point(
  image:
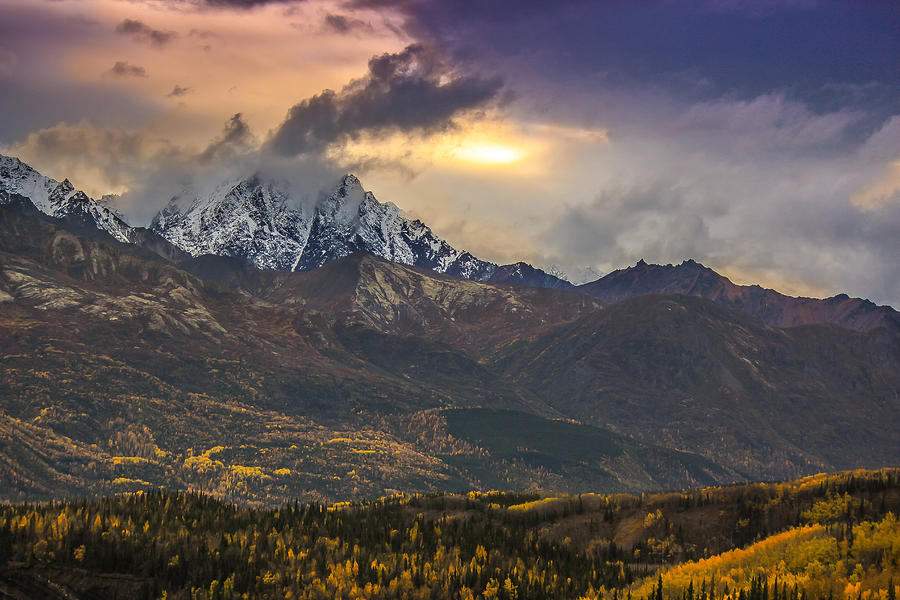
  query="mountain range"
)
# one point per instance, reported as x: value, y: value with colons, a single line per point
x: 132, y: 359
x: 257, y: 220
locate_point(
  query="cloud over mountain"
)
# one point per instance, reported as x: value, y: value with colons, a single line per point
x: 415, y: 89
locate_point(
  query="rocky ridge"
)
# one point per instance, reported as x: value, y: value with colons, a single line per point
x: 691, y: 278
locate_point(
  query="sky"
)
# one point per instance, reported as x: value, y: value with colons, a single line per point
x: 759, y: 137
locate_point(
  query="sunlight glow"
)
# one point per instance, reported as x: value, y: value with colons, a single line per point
x: 491, y: 154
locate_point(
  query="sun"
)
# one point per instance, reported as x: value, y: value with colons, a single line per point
x: 490, y: 154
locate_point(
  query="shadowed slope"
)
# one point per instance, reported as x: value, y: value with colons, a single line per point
x: 721, y: 382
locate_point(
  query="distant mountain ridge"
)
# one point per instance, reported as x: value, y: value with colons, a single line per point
x: 690, y: 278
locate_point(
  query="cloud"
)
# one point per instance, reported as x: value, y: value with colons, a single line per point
x: 103, y: 159
x: 810, y: 220
x: 668, y: 44
x: 412, y: 90
x: 769, y: 124
x: 810, y: 242
x: 178, y: 91
x: 145, y: 171
x: 123, y: 69
x: 142, y: 32
x: 654, y: 221
x: 344, y: 25
x: 221, y: 4
x: 236, y: 138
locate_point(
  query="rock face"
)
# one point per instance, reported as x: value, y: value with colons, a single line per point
x: 690, y: 278
x: 246, y: 219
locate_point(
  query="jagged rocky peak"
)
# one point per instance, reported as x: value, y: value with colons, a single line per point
x: 350, y: 187
x: 17, y: 177
x: 171, y: 212
x: 345, y: 204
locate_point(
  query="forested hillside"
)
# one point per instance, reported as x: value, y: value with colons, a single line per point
x: 832, y: 537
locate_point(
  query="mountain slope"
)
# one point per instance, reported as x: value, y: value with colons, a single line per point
x: 157, y: 377
x: 24, y: 189
x: 697, y: 375
x: 366, y: 376
x: 693, y: 279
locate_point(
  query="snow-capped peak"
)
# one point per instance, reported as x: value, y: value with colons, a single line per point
x: 247, y: 218
x: 59, y: 199
x: 256, y: 220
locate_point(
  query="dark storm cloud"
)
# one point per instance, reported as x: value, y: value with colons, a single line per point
x: 343, y: 24
x: 415, y: 89
x: 700, y: 49
x: 229, y: 4
x: 142, y: 32
x: 123, y: 69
